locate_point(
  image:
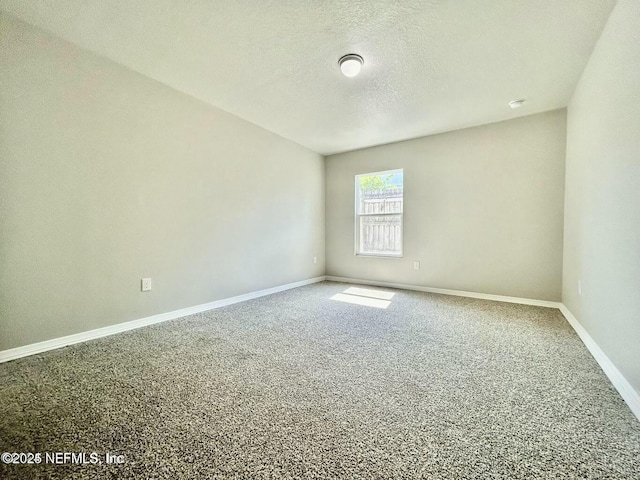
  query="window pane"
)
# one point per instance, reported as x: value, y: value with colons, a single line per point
x: 379, y: 208
x: 381, y: 235
x: 380, y: 193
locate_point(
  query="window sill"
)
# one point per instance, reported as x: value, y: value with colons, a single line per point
x: 379, y: 255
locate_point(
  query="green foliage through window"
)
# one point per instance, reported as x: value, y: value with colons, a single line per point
x: 376, y: 182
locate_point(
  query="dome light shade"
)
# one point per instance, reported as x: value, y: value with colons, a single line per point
x: 516, y: 103
x: 351, y: 64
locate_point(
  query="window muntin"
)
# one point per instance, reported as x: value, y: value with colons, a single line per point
x: 379, y: 212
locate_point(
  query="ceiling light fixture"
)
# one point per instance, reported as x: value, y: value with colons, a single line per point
x: 351, y: 64
x: 516, y: 103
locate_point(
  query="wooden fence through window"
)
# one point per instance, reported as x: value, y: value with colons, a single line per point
x: 381, y: 234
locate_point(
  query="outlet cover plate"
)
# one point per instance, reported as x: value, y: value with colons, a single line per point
x: 146, y: 284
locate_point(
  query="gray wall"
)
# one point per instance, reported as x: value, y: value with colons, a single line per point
x: 602, y: 209
x: 107, y: 177
x: 483, y: 209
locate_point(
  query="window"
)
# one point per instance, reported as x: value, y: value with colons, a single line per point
x: 379, y: 199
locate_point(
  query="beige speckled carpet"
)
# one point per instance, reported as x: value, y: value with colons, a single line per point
x: 300, y: 385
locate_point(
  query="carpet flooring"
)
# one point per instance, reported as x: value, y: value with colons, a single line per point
x: 300, y: 385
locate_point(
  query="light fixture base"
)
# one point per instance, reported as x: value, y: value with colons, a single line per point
x: 351, y: 64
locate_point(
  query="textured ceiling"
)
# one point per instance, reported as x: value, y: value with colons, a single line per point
x: 430, y: 66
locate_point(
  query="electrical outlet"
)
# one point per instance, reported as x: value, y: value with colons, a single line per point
x: 416, y: 265
x: 146, y: 284
x: 315, y: 259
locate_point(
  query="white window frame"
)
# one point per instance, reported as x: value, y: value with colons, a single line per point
x: 356, y: 246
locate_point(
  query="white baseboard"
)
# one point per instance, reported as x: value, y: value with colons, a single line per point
x: 54, y: 343
x: 626, y: 391
x: 444, y: 291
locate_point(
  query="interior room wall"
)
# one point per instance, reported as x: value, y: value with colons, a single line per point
x: 483, y: 209
x: 601, y: 284
x: 107, y: 176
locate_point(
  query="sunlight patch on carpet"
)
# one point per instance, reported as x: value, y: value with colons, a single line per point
x: 365, y: 297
